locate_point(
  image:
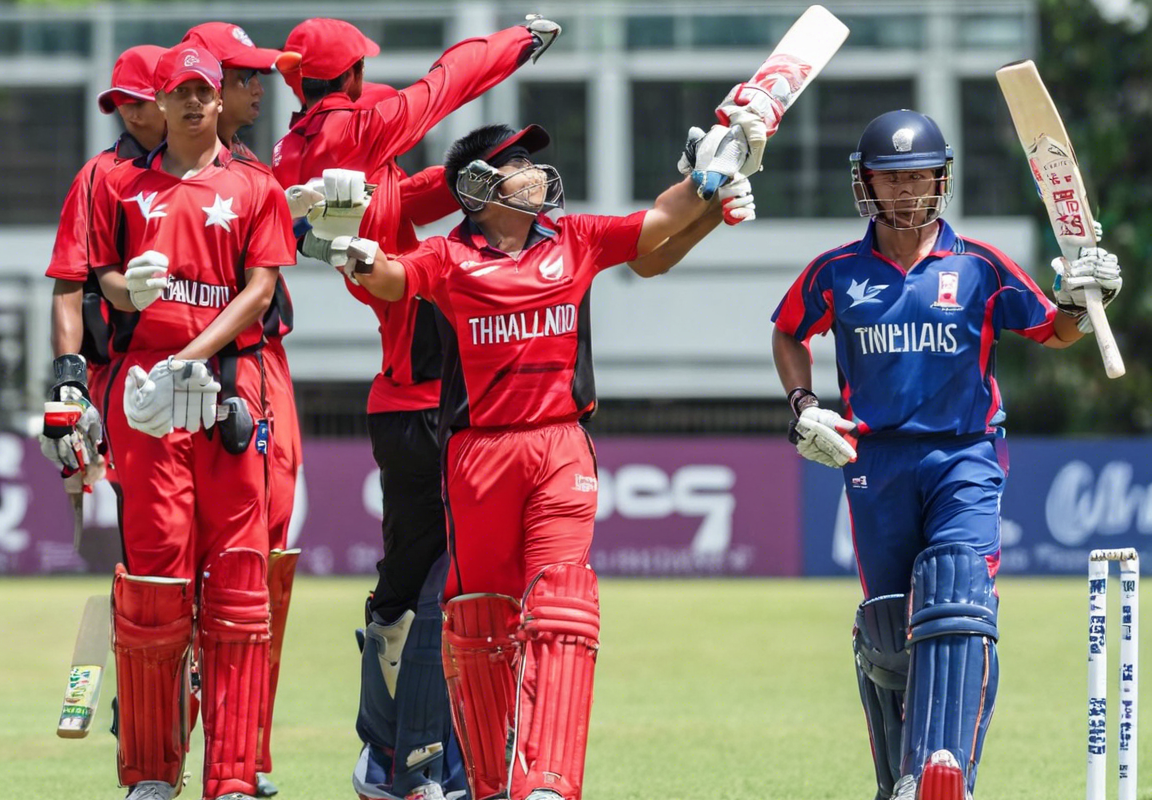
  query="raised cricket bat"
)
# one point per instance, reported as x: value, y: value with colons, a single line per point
x: 798, y: 58
x: 88, y: 659
x: 1058, y: 180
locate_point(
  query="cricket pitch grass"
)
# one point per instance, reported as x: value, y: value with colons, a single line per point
x: 704, y: 690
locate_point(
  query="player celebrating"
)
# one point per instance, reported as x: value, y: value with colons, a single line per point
x: 917, y: 311
x: 80, y: 324
x: 519, y: 470
x: 200, y: 237
x: 404, y: 720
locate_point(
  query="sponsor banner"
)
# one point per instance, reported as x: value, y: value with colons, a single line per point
x: 1063, y: 498
x: 667, y: 507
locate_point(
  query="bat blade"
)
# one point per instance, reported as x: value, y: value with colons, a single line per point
x: 1056, y: 171
x: 89, y: 656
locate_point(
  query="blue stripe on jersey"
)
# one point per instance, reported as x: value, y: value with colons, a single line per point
x: 915, y: 350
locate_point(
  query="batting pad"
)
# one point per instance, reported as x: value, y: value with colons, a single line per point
x: 281, y: 572
x: 480, y: 652
x: 152, y: 640
x: 878, y: 641
x: 560, y: 627
x: 235, y: 638
x: 953, y: 671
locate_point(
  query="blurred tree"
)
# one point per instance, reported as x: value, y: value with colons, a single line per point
x: 1096, y: 59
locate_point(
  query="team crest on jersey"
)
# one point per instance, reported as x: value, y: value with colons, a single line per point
x: 946, y: 292
x: 863, y: 293
x: 220, y: 213
x: 145, y: 202
x: 552, y: 270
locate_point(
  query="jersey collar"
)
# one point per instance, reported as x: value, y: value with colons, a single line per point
x: 128, y: 148
x: 946, y: 241
x: 307, y: 123
x: 469, y: 233
x: 155, y: 159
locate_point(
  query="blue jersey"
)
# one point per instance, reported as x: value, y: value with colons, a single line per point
x: 915, y: 350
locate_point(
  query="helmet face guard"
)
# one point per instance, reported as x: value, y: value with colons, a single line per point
x: 890, y: 212
x: 479, y: 184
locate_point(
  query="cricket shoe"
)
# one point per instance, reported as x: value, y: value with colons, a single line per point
x: 543, y: 794
x: 905, y: 789
x: 265, y: 787
x: 152, y: 790
x: 371, y: 778
x: 942, y: 778
x: 236, y: 796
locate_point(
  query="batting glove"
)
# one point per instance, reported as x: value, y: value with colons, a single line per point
x: 1095, y: 267
x: 749, y: 97
x: 544, y: 33
x: 148, y: 399
x: 346, y: 199
x: 194, y: 394
x: 147, y: 278
x: 303, y: 198
x: 77, y: 446
x: 817, y: 432
x: 737, y: 201
x: 687, y: 161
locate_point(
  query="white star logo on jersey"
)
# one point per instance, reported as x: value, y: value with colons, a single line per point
x: 863, y: 293
x: 219, y: 213
x: 145, y: 203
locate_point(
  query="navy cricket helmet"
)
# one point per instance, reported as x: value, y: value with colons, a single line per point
x: 902, y: 140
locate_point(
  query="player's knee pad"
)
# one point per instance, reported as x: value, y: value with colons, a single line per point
x: 235, y: 636
x: 281, y: 573
x: 480, y: 651
x: 878, y: 641
x: 953, y: 671
x: 561, y: 632
x: 152, y: 642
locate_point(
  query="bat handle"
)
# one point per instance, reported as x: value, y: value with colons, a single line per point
x: 1109, y: 352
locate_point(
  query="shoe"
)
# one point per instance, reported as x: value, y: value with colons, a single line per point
x: 942, y: 778
x: 429, y: 791
x: 370, y: 776
x: 265, y: 787
x: 543, y: 794
x: 905, y: 789
x: 235, y: 796
x: 459, y: 794
x: 152, y: 790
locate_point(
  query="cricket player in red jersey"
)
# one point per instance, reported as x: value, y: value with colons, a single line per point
x: 192, y: 238
x: 522, y: 615
x: 241, y: 93
x: 404, y: 720
x: 80, y: 317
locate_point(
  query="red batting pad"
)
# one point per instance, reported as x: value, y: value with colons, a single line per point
x: 561, y: 633
x: 151, y: 639
x: 480, y: 652
x: 234, y: 640
x: 942, y: 778
x: 281, y: 571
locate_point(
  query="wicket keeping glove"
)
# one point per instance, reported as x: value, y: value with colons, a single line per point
x: 1095, y: 267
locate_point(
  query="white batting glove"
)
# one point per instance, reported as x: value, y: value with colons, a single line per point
x: 817, y: 436
x: 756, y: 135
x: 194, y: 394
x: 345, y: 201
x: 1097, y: 231
x: 687, y: 161
x: 719, y: 157
x: 302, y: 198
x: 737, y: 201
x: 544, y: 31
x: 1095, y: 267
x: 148, y: 399
x: 86, y: 434
x: 147, y: 278
x: 750, y: 97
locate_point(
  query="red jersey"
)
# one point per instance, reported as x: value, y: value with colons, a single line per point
x: 521, y: 353
x: 337, y: 132
x: 229, y: 217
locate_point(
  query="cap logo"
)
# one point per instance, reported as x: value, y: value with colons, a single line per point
x: 191, y: 60
x: 902, y: 140
x: 239, y: 35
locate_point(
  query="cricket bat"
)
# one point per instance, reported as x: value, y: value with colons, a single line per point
x: 1058, y: 180
x: 88, y: 660
x: 806, y: 48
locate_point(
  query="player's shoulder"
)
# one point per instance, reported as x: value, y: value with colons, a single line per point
x: 984, y: 251
x: 838, y: 253
x: 118, y: 174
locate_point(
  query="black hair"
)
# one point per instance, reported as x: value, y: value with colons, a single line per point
x: 316, y: 89
x: 470, y: 147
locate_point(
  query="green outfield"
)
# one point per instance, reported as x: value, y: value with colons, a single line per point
x: 704, y: 689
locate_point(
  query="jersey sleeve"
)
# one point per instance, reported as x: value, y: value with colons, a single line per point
x: 807, y: 309
x: 70, y: 251
x: 424, y: 197
x: 104, y: 229
x: 610, y: 240
x: 270, y: 243
x: 424, y: 268
x: 1021, y: 305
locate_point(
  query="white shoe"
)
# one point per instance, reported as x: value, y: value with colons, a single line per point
x: 236, y: 796
x: 429, y: 791
x: 543, y: 794
x: 905, y: 789
x: 152, y: 790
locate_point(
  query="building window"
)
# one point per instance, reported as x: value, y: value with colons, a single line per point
x: 994, y: 175
x: 41, y: 150
x: 806, y: 162
x: 562, y: 110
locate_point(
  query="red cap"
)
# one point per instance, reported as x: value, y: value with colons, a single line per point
x: 328, y: 47
x: 183, y: 63
x: 532, y: 138
x: 131, y: 77
x: 235, y: 48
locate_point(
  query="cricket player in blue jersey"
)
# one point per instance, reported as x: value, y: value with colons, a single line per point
x: 917, y: 311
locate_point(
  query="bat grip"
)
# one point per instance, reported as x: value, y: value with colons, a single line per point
x: 1109, y: 352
